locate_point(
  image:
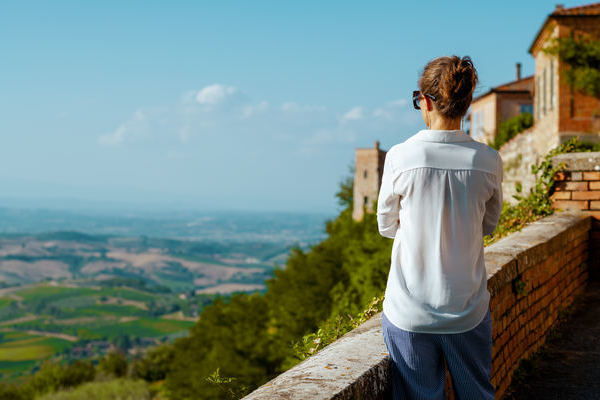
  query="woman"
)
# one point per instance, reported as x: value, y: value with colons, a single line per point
x: 440, y: 194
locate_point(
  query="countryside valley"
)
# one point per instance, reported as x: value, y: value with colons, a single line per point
x: 67, y: 295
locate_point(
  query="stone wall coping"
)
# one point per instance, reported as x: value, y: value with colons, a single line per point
x: 582, y: 161
x: 519, y: 251
x: 358, y: 362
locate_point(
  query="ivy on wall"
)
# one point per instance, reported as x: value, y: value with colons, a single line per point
x: 511, y: 128
x: 582, y: 55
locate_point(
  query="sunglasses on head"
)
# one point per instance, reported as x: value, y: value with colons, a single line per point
x: 416, y: 97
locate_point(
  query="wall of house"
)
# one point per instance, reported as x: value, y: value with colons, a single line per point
x: 529, y: 147
x: 485, y: 110
x: 579, y: 113
x: 510, y: 104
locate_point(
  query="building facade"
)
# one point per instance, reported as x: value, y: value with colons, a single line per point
x: 560, y: 111
x: 368, y: 170
x: 498, y: 104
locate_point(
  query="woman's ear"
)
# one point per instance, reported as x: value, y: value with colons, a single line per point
x: 429, y: 103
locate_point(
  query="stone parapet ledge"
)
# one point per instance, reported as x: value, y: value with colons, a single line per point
x: 583, y: 161
x: 356, y: 366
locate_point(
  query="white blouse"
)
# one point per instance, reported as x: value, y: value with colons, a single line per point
x: 440, y: 193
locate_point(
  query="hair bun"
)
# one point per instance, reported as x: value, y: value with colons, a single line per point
x: 452, y: 79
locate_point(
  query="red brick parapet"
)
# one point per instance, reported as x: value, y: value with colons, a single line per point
x: 578, y: 187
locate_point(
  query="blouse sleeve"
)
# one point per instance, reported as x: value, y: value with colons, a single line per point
x: 388, y: 202
x: 493, y: 207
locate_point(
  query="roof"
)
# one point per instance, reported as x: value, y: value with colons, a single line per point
x: 588, y: 10
x: 523, y: 85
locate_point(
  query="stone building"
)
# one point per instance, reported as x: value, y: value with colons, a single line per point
x: 560, y: 112
x: 368, y: 169
x: 499, y: 104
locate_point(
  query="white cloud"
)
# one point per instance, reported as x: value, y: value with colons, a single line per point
x: 354, y: 114
x: 131, y: 128
x: 219, y: 112
x: 217, y: 94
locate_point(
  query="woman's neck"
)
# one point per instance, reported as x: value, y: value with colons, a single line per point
x: 445, y: 125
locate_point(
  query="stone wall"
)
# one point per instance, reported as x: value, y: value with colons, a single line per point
x: 532, y: 276
x: 518, y: 154
x: 368, y: 171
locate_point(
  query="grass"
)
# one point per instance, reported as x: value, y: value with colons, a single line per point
x: 31, y: 347
x: 49, y: 294
x: 20, y: 352
x: 5, y: 302
x: 116, y: 389
x: 144, y: 327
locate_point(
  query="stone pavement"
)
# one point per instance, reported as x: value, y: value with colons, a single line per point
x: 569, y: 364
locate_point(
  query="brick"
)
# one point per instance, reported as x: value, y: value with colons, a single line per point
x: 594, y: 214
x: 564, y: 185
x: 587, y: 195
x: 562, y: 195
x: 563, y: 176
x: 591, y: 176
x: 576, y: 176
x: 594, y: 185
x: 571, y: 204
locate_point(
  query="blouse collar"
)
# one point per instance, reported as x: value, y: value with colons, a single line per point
x: 438, y: 135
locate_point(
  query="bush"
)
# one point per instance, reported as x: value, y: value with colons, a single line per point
x: 124, y: 389
x: 511, y: 128
x: 114, y: 364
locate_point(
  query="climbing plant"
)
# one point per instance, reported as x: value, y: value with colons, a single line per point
x: 511, y: 128
x: 582, y: 55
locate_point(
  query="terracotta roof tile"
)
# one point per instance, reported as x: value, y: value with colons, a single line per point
x: 588, y: 9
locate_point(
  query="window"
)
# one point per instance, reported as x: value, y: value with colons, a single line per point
x: 544, y: 91
x: 365, y: 173
x: 538, y: 94
x: 367, y: 201
x: 526, y: 108
x: 552, y: 84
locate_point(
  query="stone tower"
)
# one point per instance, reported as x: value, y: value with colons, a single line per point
x: 368, y: 169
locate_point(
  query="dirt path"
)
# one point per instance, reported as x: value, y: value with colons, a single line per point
x: 63, y: 336
x: 19, y: 320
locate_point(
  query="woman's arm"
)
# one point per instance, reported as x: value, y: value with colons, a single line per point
x: 493, y: 207
x: 388, y: 202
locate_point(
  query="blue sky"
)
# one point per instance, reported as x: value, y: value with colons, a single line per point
x: 225, y: 104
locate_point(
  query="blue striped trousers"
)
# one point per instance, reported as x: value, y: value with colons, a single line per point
x: 418, y: 362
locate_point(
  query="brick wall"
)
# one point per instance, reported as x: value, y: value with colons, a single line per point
x: 578, y: 187
x: 531, y: 290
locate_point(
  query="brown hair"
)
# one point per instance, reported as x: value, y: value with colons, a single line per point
x: 452, y: 81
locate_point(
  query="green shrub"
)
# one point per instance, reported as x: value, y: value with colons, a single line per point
x: 582, y: 55
x: 122, y: 389
x: 114, y: 364
x: 511, y: 128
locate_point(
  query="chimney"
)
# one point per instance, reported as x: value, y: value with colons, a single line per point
x: 560, y: 6
x: 518, y: 71
x: 377, y: 145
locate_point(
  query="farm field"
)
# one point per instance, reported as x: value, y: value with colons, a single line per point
x: 84, y: 320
